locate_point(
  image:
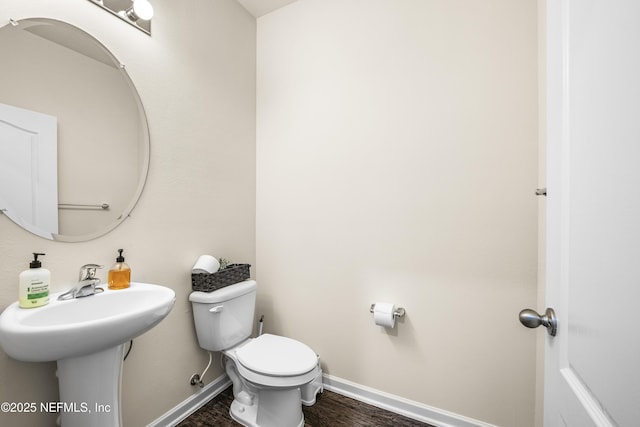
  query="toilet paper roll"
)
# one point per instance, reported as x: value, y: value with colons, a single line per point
x: 383, y: 314
x: 206, y: 264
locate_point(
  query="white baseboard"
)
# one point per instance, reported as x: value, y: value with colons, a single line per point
x: 193, y: 403
x: 399, y: 405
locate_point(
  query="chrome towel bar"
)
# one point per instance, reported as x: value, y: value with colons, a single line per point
x: 103, y: 206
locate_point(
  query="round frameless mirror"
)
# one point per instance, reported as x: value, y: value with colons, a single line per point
x: 74, y: 140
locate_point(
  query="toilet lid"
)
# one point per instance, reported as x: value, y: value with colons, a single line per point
x: 277, y: 356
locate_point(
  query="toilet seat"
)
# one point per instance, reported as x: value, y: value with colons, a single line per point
x: 277, y: 356
x: 276, y: 361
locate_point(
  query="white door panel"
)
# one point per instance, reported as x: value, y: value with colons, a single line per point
x: 593, y: 212
x: 29, y: 168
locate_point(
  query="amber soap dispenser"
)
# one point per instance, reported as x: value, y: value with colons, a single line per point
x: 120, y: 273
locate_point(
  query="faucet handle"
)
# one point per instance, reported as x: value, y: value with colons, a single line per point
x: 88, y: 271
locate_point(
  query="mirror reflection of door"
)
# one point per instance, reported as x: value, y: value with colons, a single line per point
x: 28, y: 167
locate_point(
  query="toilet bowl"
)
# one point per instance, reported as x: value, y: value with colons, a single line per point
x: 272, y: 375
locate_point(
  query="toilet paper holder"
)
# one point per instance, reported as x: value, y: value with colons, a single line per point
x: 399, y: 312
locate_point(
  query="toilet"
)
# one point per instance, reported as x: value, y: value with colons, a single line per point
x: 272, y: 376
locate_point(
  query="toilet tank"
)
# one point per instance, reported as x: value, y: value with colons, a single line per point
x: 224, y: 318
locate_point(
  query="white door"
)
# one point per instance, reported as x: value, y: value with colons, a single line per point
x: 29, y: 169
x: 593, y: 213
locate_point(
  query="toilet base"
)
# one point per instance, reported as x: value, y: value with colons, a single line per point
x: 258, y: 406
x: 270, y: 408
x: 310, y: 391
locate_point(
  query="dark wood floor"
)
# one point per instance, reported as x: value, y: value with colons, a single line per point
x: 330, y: 410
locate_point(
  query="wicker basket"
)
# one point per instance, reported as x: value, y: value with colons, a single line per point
x: 206, y: 282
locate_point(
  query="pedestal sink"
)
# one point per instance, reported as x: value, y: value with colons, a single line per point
x: 86, y: 336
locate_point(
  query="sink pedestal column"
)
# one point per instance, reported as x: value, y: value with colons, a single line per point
x: 90, y: 389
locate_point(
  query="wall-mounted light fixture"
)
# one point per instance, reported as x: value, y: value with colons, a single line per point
x: 137, y: 13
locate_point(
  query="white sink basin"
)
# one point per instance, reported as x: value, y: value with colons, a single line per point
x: 77, y: 327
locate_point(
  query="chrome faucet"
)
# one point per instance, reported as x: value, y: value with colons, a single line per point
x: 86, y: 283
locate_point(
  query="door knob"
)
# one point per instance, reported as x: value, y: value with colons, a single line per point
x: 531, y: 319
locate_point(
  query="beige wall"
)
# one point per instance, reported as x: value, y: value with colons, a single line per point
x: 397, y: 162
x: 196, y: 78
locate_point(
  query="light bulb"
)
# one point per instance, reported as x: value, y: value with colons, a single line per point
x: 141, y: 9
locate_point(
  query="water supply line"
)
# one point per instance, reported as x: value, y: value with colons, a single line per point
x: 196, y: 379
x: 128, y: 351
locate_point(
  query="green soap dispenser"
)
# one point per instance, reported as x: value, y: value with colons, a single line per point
x: 34, y: 285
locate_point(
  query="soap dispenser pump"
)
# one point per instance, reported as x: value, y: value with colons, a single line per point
x: 34, y: 284
x: 120, y: 273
